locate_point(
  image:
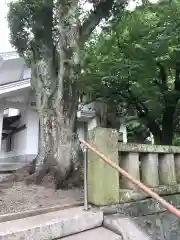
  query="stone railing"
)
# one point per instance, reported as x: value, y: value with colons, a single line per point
x: 158, y: 167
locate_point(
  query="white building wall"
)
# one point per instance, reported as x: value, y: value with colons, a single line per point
x: 81, y: 130
x: 25, y: 142
x: 20, y: 138
x: 19, y: 141
x: 1, y: 121
x: 32, y: 132
x: 11, y: 70
x: 92, y: 124
x: 3, y: 146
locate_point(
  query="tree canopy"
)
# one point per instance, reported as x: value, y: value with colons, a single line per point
x: 136, y: 60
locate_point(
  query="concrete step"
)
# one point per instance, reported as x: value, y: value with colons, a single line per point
x: 10, y: 167
x: 94, y: 234
x: 126, y: 227
x: 51, y: 225
x: 4, y: 176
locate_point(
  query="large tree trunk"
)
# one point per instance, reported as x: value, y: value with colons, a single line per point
x: 60, y: 143
x: 167, y: 124
x: 55, y: 80
x: 56, y: 76
x: 61, y: 149
x: 57, y: 111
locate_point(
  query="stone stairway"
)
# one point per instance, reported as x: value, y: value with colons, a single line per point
x: 76, y: 224
x: 10, y: 165
x: 73, y: 223
x: 93, y: 234
x: 6, y: 169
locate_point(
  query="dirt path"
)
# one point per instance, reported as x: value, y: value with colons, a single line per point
x: 17, y: 196
x: 21, y: 197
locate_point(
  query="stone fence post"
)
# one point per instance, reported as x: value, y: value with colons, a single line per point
x: 103, y: 181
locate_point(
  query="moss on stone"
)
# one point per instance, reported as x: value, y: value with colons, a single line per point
x: 146, y: 148
x: 137, y: 194
x: 103, y: 181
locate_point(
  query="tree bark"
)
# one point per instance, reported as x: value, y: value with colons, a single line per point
x: 167, y: 125
x: 60, y: 142
x: 55, y: 80
x: 57, y: 111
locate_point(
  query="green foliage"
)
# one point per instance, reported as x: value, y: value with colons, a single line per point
x: 135, y: 60
x: 32, y: 26
x: 176, y: 141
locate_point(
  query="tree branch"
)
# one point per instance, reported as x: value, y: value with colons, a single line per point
x: 140, y: 106
x: 102, y: 9
x: 143, y: 112
x: 163, y: 77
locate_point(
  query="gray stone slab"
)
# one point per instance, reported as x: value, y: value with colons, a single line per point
x: 94, y: 234
x: 143, y: 207
x: 51, y: 225
x: 163, y: 226
x: 125, y: 227
x: 5, y: 167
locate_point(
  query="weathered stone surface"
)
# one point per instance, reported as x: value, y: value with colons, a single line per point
x: 125, y: 227
x: 147, y: 148
x: 103, y: 181
x: 130, y: 163
x: 149, y: 169
x: 26, y: 158
x: 137, y: 194
x: 163, y: 226
x: 177, y: 166
x: 51, y: 225
x: 96, y: 234
x: 143, y: 207
x: 37, y: 211
x: 167, y: 174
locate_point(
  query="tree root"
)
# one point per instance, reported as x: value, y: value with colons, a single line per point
x: 74, y: 178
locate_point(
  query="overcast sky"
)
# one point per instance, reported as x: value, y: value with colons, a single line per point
x: 4, y: 39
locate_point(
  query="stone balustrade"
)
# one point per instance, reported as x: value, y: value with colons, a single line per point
x: 158, y: 167
x: 154, y: 165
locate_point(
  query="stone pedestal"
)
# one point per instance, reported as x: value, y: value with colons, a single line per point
x: 149, y: 169
x: 130, y: 163
x: 103, y: 181
x: 167, y: 175
x: 177, y: 166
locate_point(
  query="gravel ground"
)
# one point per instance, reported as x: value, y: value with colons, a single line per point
x: 20, y: 197
x: 17, y: 196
